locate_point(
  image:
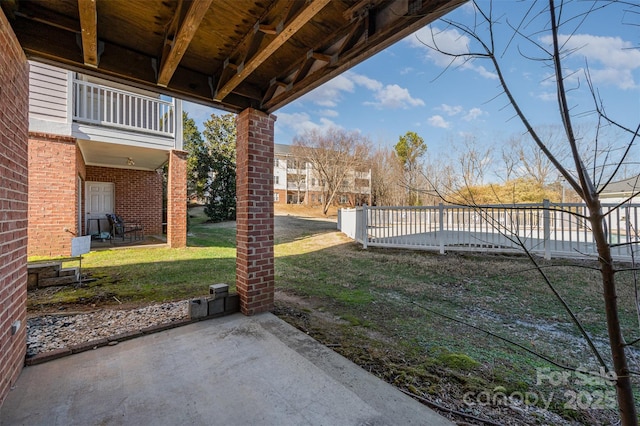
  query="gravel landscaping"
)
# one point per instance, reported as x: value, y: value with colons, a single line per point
x: 58, y: 331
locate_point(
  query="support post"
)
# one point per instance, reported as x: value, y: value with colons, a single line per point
x: 365, y: 225
x: 441, y: 220
x: 177, y: 200
x: 255, y: 279
x: 546, y: 223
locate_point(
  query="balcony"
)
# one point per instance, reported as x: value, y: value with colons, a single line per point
x: 294, y: 186
x: 105, y: 106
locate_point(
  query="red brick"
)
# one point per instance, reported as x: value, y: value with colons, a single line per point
x: 138, y: 195
x: 177, y: 200
x: 254, y: 218
x: 14, y: 75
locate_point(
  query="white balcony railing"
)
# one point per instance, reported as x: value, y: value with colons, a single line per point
x: 97, y: 104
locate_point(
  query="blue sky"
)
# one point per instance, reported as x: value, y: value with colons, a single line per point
x: 408, y: 88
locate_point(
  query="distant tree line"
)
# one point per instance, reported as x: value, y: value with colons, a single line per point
x: 402, y: 174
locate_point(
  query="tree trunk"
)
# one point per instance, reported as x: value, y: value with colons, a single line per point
x: 624, y: 390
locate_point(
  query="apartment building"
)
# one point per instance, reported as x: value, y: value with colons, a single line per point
x: 296, y: 182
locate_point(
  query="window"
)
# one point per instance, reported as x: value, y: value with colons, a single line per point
x: 277, y: 163
x: 313, y: 181
x: 344, y: 199
x: 276, y: 197
x: 276, y: 179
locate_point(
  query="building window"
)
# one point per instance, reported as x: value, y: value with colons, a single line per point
x: 344, y: 199
x: 276, y: 179
x: 277, y: 163
x: 276, y: 197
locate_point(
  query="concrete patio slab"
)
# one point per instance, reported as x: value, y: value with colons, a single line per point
x: 234, y: 370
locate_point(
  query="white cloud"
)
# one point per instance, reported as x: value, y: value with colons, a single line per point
x: 438, y: 121
x: 473, y: 114
x: 406, y: 70
x: 301, y: 122
x: 393, y: 96
x: 450, y: 110
x: 328, y: 112
x: 363, y: 80
x: 545, y: 96
x: 330, y: 93
x: 611, y: 60
x: 431, y: 39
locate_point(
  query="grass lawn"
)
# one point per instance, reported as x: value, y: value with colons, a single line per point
x: 143, y: 275
x: 394, y: 313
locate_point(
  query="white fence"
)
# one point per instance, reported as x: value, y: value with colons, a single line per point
x: 103, y: 105
x: 547, y: 229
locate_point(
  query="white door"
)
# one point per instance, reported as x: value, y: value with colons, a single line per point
x: 99, y: 200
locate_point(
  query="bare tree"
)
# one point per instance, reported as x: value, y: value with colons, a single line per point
x: 386, y: 178
x: 473, y: 162
x: 334, y: 155
x: 547, y: 44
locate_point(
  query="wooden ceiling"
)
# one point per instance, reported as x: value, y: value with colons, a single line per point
x: 230, y: 54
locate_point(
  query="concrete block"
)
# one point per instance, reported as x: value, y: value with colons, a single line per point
x: 198, y: 308
x: 127, y: 335
x: 32, y: 281
x: 47, y: 356
x: 87, y: 346
x: 219, y: 290
x: 68, y: 272
x: 53, y: 281
x: 232, y: 303
x: 45, y: 270
x: 216, y: 306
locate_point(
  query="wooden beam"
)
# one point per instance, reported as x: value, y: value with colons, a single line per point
x: 289, y: 30
x: 89, y: 31
x: 352, y: 49
x: 172, y: 57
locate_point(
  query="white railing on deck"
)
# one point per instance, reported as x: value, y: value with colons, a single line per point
x: 97, y: 104
x: 548, y: 229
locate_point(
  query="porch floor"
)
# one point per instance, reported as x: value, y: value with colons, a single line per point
x: 148, y: 240
x: 234, y: 370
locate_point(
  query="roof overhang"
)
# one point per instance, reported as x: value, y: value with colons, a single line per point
x: 229, y: 54
x: 119, y: 156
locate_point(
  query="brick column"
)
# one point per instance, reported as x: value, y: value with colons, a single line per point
x: 53, y: 196
x: 254, y: 217
x: 177, y: 200
x: 14, y: 127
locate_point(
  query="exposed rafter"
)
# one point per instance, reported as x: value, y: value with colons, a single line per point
x: 374, y: 23
x: 262, y: 55
x: 290, y: 28
x: 172, y: 56
x: 89, y: 31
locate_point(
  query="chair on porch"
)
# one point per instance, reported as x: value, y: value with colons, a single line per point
x: 124, y: 230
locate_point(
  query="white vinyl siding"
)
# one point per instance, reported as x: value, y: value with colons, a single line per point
x: 48, y: 89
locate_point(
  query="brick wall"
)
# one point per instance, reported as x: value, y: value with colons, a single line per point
x: 81, y: 168
x: 177, y: 200
x: 254, y: 217
x: 282, y: 196
x: 14, y: 95
x: 138, y: 195
x: 53, y: 202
